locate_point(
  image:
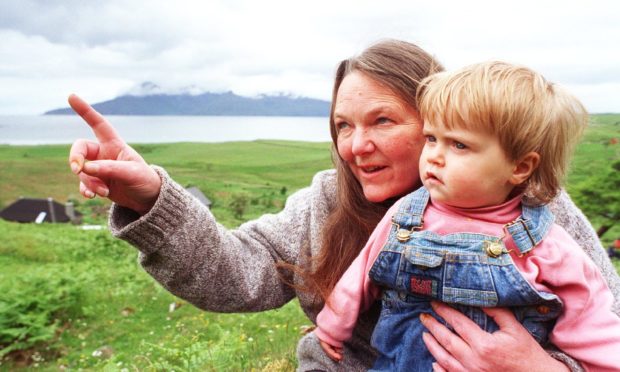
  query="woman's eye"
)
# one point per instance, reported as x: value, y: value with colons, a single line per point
x: 341, y: 125
x: 460, y: 146
x: 383, y: 120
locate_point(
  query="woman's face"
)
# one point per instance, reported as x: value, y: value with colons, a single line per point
x: 379, y: 137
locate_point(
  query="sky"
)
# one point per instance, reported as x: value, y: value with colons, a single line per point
x: 103, y: 49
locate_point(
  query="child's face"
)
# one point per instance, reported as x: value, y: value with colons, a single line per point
x: 465, y: 168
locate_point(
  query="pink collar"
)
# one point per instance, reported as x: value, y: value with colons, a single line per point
x: 502, y: 213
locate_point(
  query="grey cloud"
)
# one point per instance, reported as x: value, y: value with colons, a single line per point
x: 252, y: 47
x: 86, y: 23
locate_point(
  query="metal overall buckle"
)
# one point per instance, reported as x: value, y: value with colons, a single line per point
x: 495, y: 248
x: 403, y: 235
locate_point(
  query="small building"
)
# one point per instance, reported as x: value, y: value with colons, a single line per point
x: 195, y: 191
x: 40, y: 210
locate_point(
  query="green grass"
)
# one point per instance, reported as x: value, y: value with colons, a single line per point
x: 597, y: 150
x: 259, y: 169
x: 120, y: 308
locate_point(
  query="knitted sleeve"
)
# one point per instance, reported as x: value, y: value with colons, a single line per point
x: 184, y: 248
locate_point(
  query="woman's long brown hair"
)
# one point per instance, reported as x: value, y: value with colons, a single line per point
x: 400, y: 66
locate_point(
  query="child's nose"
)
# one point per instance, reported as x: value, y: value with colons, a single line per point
x: 435, y: 155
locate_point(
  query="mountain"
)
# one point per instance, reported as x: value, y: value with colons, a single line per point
x: 222, y: 104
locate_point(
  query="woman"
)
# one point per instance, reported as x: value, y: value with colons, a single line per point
x: 322, y: 227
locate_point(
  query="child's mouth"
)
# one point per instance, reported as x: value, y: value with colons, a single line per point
x: 431, y: 177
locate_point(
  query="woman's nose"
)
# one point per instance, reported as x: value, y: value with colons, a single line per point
x: 362, y: 142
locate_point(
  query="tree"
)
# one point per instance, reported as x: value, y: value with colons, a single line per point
x: 600, y: 197
x: 239, y: 204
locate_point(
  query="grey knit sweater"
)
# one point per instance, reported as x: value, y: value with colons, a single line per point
x: 189, y: 253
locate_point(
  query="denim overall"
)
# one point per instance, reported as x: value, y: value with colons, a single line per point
x: 465, y: 270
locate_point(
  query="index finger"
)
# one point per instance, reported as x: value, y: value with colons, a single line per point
x: 505, y: 319
x: 467, y: 329
x: 104, y: 131
x: 448, y: 340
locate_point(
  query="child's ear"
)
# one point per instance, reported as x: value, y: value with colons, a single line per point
x: 524, y: 168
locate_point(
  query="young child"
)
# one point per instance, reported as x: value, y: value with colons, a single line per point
x: 478, y: 234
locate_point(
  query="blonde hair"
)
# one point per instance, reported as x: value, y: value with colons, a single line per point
x: 516, y: 104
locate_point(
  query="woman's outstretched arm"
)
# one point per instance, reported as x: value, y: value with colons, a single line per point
x: 181, y: 243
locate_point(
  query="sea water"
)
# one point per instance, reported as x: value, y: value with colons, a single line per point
x: 64, y: 129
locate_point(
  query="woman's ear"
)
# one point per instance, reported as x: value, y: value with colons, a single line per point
x: 524, y: 168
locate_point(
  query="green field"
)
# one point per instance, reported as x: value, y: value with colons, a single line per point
x: 78, y: 300
x: 108, y: 301
x: 264, y: 171
x: 594, y: 156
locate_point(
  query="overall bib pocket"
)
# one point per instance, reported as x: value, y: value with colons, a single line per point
x: 468, y: 280
x: 422, y: 272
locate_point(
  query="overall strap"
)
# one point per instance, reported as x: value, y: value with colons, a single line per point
x: 531, y: 227
x: 411, y: 210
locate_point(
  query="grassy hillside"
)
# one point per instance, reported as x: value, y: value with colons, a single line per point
x: 263, y: 171
x: 597, y: 149
x: 78, y: 299
x: 82, y: 302
x: 593, y: 157
x: 99, y: 301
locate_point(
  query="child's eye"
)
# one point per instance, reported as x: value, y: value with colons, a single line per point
x: 430, y: 138
x: 460, y: 145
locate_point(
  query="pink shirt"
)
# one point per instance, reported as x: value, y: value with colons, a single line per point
x: 587, y: 330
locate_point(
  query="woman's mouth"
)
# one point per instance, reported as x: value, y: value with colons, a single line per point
x: 371, y: 169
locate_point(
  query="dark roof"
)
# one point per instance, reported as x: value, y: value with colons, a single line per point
x: 199, y: 195
x: 27, y: 210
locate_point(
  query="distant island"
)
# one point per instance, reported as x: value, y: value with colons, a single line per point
x: 214, y: 104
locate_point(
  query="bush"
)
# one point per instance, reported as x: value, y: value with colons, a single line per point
x: 598, y: 198
x: 32, y: 310
x: 239, y: 205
